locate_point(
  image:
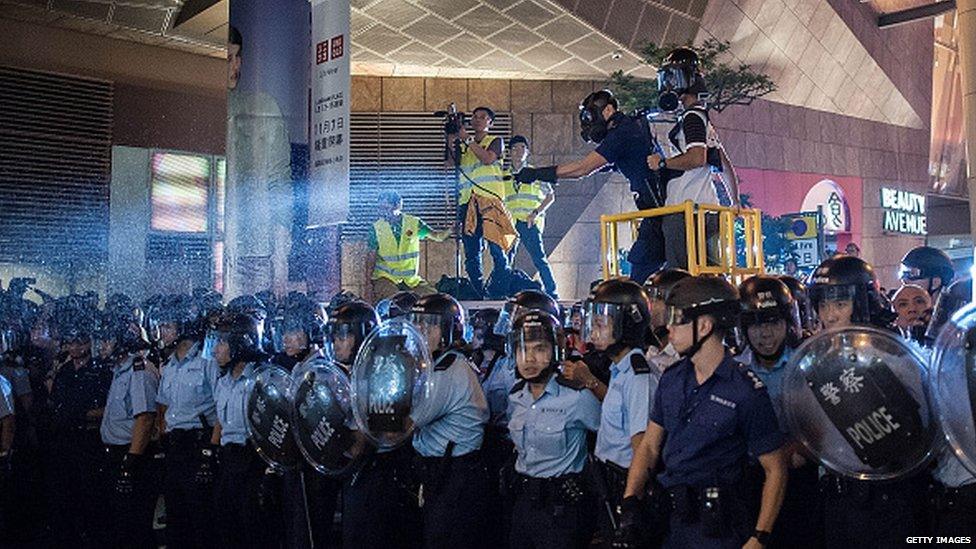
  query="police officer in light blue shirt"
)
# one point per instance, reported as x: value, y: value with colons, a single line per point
x: 235, y: 345
x: 616, y: 319
x: 188, y: 413
x: 6, y: 426
x: 549, y: 418
x: 126, y: 430
x: 710, y: 416
x: 449, y: 428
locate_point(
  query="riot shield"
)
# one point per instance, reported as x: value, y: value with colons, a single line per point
x: 858, y: 399
x: 267, y: 410
x: 322, y: 417
x: 390, y: 381
x: 953, y: 369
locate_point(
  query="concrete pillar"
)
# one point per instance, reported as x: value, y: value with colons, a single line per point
x: 267, y: 139
x: 966, y: 21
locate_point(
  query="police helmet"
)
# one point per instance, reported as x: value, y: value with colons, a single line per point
x: 927, y: 262
x: 534, y: 326
x: 659, y: 283
x: 483, y: 322
x: 440, y: 310
x: 243, y: 331
x: 625, y: 304
x: 701, y: 295
x: 953, y: 298
x: 177, y: 309
x: 802, y: 297
x: 297, y: 314
x: 351, y: 319
x: 845, y: 277
x: 767, y: 299
x: 593, y: 127
x: 522, y: 302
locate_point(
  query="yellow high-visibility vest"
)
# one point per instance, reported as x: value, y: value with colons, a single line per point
x: 483, y: 179
x: 522, y: 199
x: 398, y: 261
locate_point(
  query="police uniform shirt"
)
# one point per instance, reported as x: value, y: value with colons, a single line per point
x: 497, y: 386
x: 772, y: 378
x: 549, y: 432
x: 186, y: 390
x: 625, y: 408
x: 133, y: 392
x: 19, y: 378
x: 229, y: 395
x: 626, y: 146
x: 77, y: 391
x: 455, y: 410
x: 711, y: 428
x: 6, y: 398
x: 692, y: 131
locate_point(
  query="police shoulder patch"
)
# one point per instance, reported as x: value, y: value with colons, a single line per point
x: 565, y: 382
x: 138, y: 364
x: 752, y: 377
x: 445, y: 362
x: 639, y: 364
x: 517, y: 387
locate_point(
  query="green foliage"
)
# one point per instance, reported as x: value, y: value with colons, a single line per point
x: 727, y: 84
x: 777, y: 249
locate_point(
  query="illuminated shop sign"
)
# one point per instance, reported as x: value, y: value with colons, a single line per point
x: 828, y: 197
x: 903, y: 212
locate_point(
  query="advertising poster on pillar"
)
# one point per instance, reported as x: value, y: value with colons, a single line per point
x: 328, y: 191
x: 267, y: 106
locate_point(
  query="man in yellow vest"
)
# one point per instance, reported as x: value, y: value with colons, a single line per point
x: 394, y: 250
x: 481, y: 174
x: 528, y: 203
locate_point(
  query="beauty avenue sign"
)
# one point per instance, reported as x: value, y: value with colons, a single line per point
x: 903, y: 212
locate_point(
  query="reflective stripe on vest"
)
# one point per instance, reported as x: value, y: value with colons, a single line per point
x: 523, y: 201
x: 398, y: 261
x: 487, y: 177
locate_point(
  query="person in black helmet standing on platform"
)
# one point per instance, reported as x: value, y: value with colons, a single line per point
x: 698, y: 150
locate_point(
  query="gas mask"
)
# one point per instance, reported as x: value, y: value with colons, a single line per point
x: 593, y: 126
x: 674, y: 79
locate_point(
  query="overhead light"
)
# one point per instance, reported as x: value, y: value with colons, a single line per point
x: 617, y: 54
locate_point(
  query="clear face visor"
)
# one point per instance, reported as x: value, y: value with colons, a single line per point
x: 676, y: 316
x: 536, y: 343
x: 603, y: 321
x: 506, y: 318
x: 671, y: 78
x: 832, y: 292
x: 910, y: 274
x: 342, y: 340
x: 211, y: 341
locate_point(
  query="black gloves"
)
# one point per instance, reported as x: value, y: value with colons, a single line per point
x: 528, y: 175
x: 128, y: 471
x: 208, y: 466
x: 628, y: 534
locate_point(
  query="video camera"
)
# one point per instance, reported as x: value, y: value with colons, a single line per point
x: 453, y: 119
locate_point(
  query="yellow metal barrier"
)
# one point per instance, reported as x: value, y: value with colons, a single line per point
x: 694, y: 217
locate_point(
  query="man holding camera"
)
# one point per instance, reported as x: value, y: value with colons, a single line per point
x: 482, y: 175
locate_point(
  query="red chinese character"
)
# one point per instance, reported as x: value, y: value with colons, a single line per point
x: 321, y: 52
x: 337, y: 47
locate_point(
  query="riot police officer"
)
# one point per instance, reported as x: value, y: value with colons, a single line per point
x: 77, y: 393
x: 770, y: 325
x: 709, y: 414
x: 802, y: 298
x: 187, y: 414
x: 234, y: 344
x: 126, y: 431
x: 300, y: 334
x: 844, y: 290
x: 449, y: 430
x: 928, y: 267
x: 550, y: 416
x: 380, y: 487
x: 660, y: 352
x: 616, y: 319
x: 347, y: 328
